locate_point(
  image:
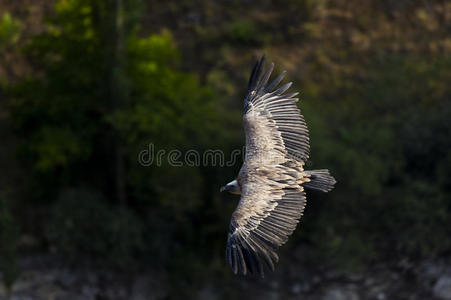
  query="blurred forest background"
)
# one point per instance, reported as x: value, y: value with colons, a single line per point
x: 85, y: 85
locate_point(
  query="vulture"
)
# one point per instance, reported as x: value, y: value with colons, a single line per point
x: 272, y: 178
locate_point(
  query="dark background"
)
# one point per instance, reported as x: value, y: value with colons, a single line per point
x: 87, y: 84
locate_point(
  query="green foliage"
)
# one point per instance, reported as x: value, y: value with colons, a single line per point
x: 72, y: 114
x: 9, y: 30
x: 8, y: 244
x: 82, y: 225
x: 57, y: 147
x: 115, y: 92
x: 164, y: 100
x: 244, y: 32
x: 390, y: 199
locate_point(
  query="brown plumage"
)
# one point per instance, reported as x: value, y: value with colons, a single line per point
x: 272, y: 178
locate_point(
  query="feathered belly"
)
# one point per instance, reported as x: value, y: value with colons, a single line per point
x: 277, y: 176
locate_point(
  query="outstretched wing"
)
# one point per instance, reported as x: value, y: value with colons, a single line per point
x: 272, y: 199
x: 276, y: 107
x: 261, y: 223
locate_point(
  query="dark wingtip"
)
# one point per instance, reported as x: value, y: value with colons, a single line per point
x: 256, y: 73
x: 246, y: 259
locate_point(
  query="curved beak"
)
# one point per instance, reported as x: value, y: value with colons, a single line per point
x: 223, y: 188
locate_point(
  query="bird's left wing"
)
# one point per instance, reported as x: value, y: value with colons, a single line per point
x: 267, y: 214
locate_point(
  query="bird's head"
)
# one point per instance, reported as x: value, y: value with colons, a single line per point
x: 231, y: 187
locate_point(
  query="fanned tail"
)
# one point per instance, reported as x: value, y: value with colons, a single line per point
x: 320, y: 180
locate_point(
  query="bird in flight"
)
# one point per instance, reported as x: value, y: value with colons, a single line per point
x: 272, y: 178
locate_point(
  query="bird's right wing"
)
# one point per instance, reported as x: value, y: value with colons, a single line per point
x: 271, y: 118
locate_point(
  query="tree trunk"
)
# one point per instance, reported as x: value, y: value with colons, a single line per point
x: 119, y: 97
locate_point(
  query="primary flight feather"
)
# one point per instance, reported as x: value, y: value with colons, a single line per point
x: 272, y: 179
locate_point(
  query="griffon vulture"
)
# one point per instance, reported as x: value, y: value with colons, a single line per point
x: 272, y: 178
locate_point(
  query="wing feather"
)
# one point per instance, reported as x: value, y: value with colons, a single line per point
x: 278, y: 107
x: 259, y: 242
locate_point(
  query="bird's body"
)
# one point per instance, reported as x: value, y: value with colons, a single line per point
x: 272, y: 179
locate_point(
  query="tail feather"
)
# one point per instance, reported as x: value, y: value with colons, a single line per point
x: 320, y: 180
